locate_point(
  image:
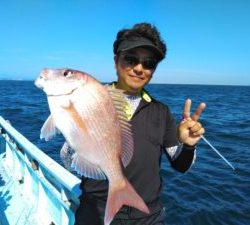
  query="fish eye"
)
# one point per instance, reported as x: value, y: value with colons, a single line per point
x: 67, y: 73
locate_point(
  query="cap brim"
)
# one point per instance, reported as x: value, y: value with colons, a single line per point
x: 140, y: 42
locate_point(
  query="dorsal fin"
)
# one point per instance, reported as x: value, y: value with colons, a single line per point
x: 127, y: 138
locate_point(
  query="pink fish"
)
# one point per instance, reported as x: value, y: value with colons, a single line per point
x: 91, y: 118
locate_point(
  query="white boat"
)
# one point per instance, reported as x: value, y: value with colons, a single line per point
x: 34, y: 188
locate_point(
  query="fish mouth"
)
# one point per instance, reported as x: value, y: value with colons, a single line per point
x: 61, y: 94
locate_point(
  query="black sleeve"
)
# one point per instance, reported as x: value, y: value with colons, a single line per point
x: 184, y: 160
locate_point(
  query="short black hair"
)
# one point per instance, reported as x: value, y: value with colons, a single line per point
x: 145, y: 30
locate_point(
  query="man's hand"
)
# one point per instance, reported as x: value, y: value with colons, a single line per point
x: 190, y: 130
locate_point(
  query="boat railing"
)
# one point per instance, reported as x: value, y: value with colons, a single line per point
x: 52, y: 189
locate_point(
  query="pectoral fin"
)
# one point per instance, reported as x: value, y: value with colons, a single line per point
x: 77, y: 119
x: 49, y: 129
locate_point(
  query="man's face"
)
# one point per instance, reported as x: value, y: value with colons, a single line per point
x: 135, y: 69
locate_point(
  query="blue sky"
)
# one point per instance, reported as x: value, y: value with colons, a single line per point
x: 208, y: 40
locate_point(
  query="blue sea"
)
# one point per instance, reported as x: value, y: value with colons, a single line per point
x: 210, y: 192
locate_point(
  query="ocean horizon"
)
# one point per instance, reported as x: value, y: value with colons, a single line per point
x: 151, y: 83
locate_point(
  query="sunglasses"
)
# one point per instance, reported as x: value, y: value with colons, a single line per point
x: 148, y: 63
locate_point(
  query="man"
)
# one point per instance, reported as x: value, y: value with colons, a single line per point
x: 137, y: 53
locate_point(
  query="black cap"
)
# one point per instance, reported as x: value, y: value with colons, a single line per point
x: 136, y: 42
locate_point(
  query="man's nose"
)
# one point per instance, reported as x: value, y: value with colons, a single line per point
x: 138, y: 68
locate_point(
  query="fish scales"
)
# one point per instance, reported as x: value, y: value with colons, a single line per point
x: 106, y: 136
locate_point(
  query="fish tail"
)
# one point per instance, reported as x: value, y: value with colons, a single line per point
x: 119, y: 196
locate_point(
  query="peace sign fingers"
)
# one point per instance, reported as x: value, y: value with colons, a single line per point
x: 198, y: 112
x: 190, y: 130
